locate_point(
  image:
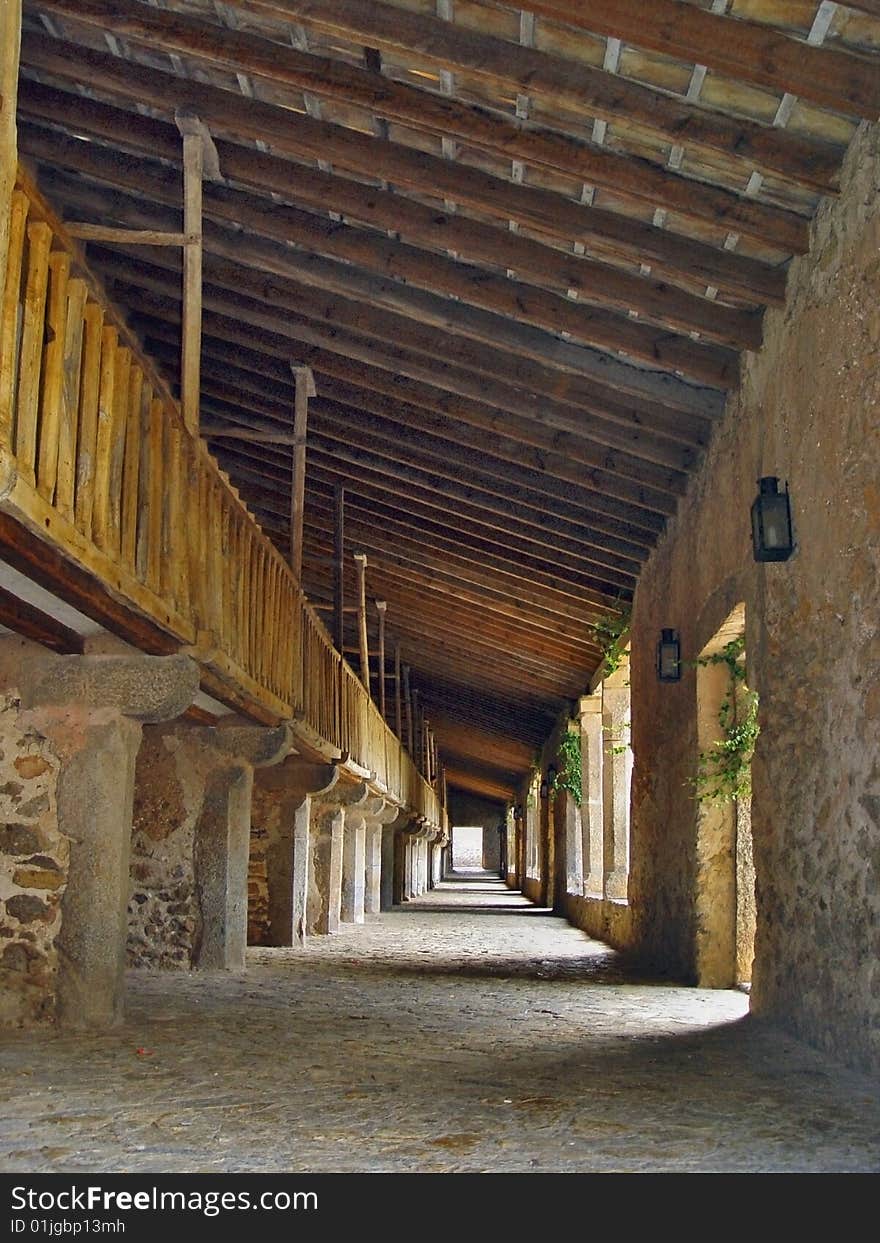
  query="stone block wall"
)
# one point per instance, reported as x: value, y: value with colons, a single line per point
x: 164, y: 918
x: 34, y: 859
x: 807, y: 411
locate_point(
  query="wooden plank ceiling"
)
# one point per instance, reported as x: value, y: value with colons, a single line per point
x: 522, y: 251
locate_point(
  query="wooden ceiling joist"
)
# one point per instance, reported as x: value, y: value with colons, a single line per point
x: 322, y: 76
x: 748, y: 51
x: 558, y: 80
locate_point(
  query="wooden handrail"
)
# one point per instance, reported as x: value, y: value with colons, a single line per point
x: 98, y: 463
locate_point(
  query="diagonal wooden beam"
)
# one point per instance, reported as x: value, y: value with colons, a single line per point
x: 555, y: 80
x: 628, y: 176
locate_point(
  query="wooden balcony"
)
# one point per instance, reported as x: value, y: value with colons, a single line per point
x: 97, y: 466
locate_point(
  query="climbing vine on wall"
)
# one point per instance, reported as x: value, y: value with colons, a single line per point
x: 724, y: 772
x: 610, y: 635
x: 568, y: 773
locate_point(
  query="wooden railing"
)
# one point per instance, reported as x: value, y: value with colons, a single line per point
x: 95, y: 460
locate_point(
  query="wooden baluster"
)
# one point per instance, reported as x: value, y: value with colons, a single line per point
x: 140, y: 523
x: 225, y: 629
x: 152, y: 500
x: 173, y: 502
x: 10, y: 47
x: 270, y: 597
x: 9, y: 312
x: 381, y: 609
x: 121, y: 395
x: 32, y: 334
x: 111, y: 355
x: 53, y: 375
x: 93, y: 345
x: 139, y: 395
x: 74, y: 341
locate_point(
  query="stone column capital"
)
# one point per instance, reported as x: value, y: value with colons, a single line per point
x: 149, y: 689
x: 589, y: 705
x: 256, y: 745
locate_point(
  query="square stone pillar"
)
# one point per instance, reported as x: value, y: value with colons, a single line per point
x: 353, y: 866
x: 373, y: 868
x: 325, y: 893
x: 615, y: 785
x: 287, y: 800
x: 573, y: 845
x: 387, y: 889
x: 592, y: 827
x: 222, y: 835
x: 378, y: 813
x: 90, y: 709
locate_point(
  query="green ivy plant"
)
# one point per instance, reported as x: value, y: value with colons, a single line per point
x: 724, y: 772
x: 610, y: 632
x: 568, y: 772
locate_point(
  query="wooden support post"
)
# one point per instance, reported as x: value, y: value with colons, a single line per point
x: 360, y: 561
x: 381, y: 608
x: 418, y: 754
x: 10, y: 44
x: 398, y: 705
x: 305, y: 388
x: 199, y: 161
x: 409, y: 712
x: 339, y: 567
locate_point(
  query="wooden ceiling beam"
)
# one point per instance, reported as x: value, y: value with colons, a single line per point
x: 642, y: 430
x: 528, y: 441
x: 558, y: 80
x: 600, y: 286
x: 689, y: 434
x: 584, y: 466
x: 334, y: 292
x: 550, y: 214
x: 577, y: 522
x: 629, y: 177
x: 493, y: 377
x: 743, y: 50
x: 529, y: 546
x: 417, y: 496
x: 687, y: 263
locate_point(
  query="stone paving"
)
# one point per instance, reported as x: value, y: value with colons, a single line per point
x: 466, y: 1031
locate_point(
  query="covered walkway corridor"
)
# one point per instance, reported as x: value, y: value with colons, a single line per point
x: 466, y: 1031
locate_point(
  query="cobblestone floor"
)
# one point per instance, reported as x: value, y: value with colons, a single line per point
x: 468, y: 1031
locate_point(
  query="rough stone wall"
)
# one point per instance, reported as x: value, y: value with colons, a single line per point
x: 807, y: 411
x: 34, y: 859
x: 164, y: 918
x: 265, y: 810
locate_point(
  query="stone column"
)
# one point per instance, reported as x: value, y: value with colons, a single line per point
x: 592, y: 831
x: 325, y: 887
x: 294, y: 787
x: 386, y: 894
x: 91, y: 709
x: 572, y: 869
x: 353, y: 866
x: 378, y: 813
x: 222, y: 836
x: 615, y: 716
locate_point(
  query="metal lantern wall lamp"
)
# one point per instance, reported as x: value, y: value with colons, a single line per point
x: 669, y: 657
x: 772, y: 538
